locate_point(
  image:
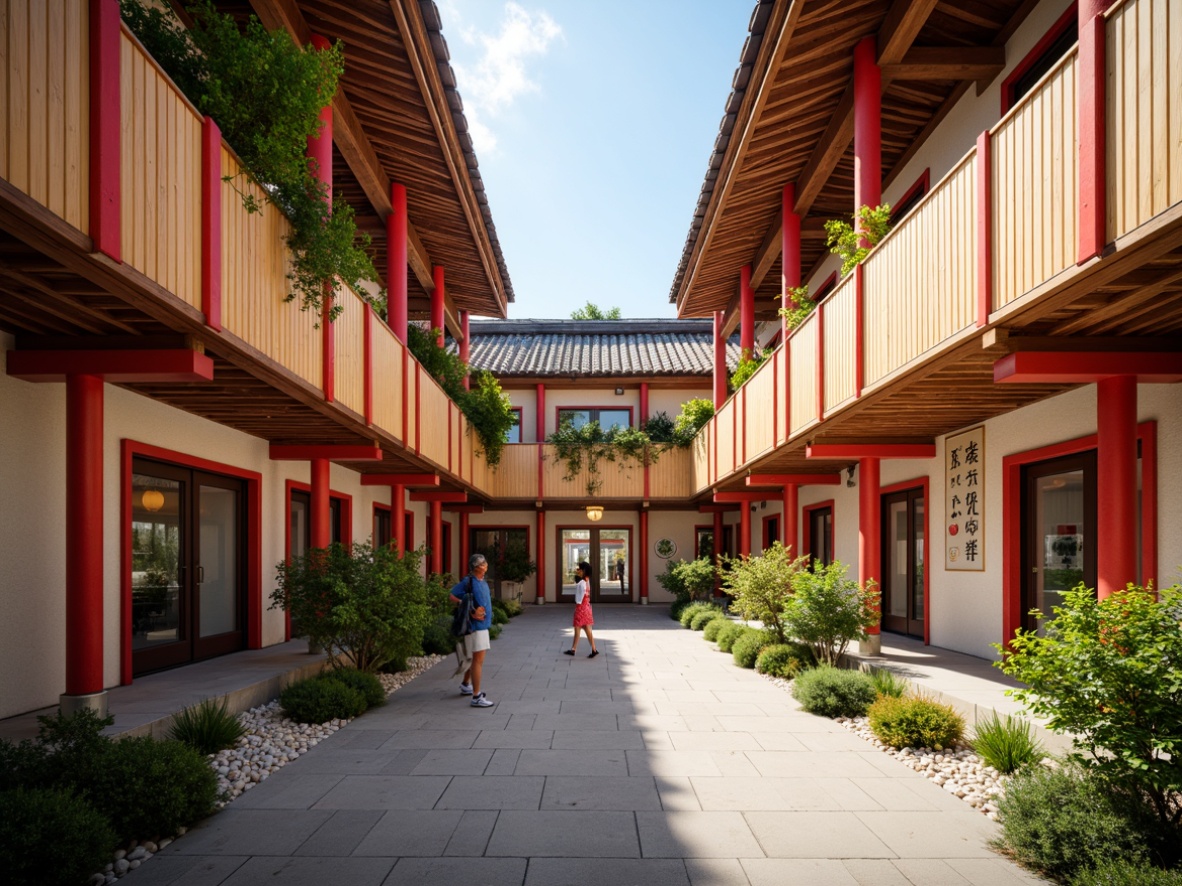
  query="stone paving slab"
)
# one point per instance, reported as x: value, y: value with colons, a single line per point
x: 659, y: 762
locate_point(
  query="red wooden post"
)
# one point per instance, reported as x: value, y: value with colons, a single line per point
x: 1116, y: 484
x: 870, y: 533
x: 746, y: 312
x: 397, y: 229
x: 398, y: 517
x: 105, y: 122
x: 541, y: 573
x: 1090, y: 92
x: 789, y: 252
x: 867, y: 125
x: 820, y: 362
x: 644, y: 557
x: 719, y: 362
x: 211, y: 224
x: 718, y: 530
x: 436, y: 517
x: 367, y: 365
x: 463, y: 541
x: 437, y: 301
x: 465, y: 345
x: 859, y: 331
x: 320, y: 519
x: 744, y: 529
x: 84, y: 544
x: 791, y: 531
x: 984, y: 228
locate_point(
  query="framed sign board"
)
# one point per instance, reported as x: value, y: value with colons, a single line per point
x: 964, y: 504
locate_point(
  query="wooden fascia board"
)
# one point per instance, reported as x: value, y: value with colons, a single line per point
x: 279, y: 452
x: 417, y: 44
x: 771, y: 55
x: 870, y: 449
x: 948, y: 63
x: 793, y: 480
x: 423, y: 480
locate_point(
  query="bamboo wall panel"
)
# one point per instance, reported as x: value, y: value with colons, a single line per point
x: 415, y: 376
x: 759, y: 393
x: 840, y: 342
x: 45, y: 104
x: 701, y: 461
x: 516, y: 476
x: 621, y: 479
x: 465, y: 440
x: 671, y: 476
x: 1144, y: 113
x: 435, y: 417
x: 725, y: 440
x: 920, y: 284
x: 387, y: 381
x: 781, y: 360
x: 803, y: 374
x: 1035, y: 183
x: 254, y: 281
x: 160, y: 177
x: 349, y: 361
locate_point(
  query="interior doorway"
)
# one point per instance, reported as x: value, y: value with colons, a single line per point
x: 903, y: 562
x: 608, y: 549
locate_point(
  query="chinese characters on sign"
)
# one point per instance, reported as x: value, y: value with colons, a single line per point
x: 964, y: 491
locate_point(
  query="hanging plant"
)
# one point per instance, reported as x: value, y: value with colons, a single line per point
x: 797, y: 307
x: 265, y: 93
x: 845, y: 241
x: 590, y: 445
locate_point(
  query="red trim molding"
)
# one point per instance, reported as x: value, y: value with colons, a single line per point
x: 793, y: 479
x: 984, y: 228
x: 399, y: 479
x: 173, y: 365
x: 871, y: 450
x: 820, y: 309
x: 105, y: 122
x: 211, y: 224
x: 1085, y: 367
x: 331, y: 453
x: 367, y: 365
x: 458, y: 498
x: 1034, y: 56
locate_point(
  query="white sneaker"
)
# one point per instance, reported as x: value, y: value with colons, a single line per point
x: 465, y: 689
x: 481, y: 701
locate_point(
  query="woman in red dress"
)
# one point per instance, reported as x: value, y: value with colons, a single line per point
x: 583, y: 618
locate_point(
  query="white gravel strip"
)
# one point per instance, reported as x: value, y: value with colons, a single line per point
x: 271, y: 742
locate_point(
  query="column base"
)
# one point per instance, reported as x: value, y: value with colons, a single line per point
x: 872, y: 645
x: 644, y: 601
x: 92, y: 701
x: 541, y: 601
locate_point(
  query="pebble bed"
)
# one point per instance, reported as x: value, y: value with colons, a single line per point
x: 271, y: 742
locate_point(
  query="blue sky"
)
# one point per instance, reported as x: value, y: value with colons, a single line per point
x: 593, y: 121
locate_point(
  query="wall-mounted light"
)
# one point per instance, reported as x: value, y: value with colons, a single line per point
x: 619, y: 392
x: 594, y: 513
x: 849, y: 477
x: 152, y: 500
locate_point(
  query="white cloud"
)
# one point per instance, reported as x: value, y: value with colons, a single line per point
x: 499, y: 74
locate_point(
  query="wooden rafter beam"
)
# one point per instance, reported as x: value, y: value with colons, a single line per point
x: 903, y: 22
x: 948, y: 63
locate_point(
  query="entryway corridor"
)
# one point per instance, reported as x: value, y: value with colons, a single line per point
x: 658, y: 762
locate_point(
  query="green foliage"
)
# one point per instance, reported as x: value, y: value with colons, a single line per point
x: 660, y: 428
x: 699, y: 621
x: 592, y: 311
x: 747, y: 646
x: 513, y: 608
x: 590, y: 445
x: 713, y: 627
x: 784, y: 660
x: 50, y: 837
x: 319, y: 700
x: 513, y: 564
x: 1006, y: 744
x: 1127, y: 873
x: 887, y: 683
x: 443, y: 365
x: 834, y: 692
x: 437, y: 638
x: 494, y: 630
x: 366, y: 606
x: 827, y: 610
x: 207, y: 727
x: 265, y: 93
x: 693, y: 417
x: 688, y: 581
x: 499, y: 616
x: 368, y: 685
x: 730, y: 632
x: 678, y: 606
x: 761, y: 586
x: 1063, y: 821
x: 688, y: 614
x: 844, y: 241
x: 748, y: 362
x: 798, y: 306
x: 1109, y: 673
x: 915, y: 722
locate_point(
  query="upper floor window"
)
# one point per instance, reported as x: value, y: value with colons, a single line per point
x: 1055, y: 44
x: 607, y: 418
x: 911, y: 199
x: 513, y: 435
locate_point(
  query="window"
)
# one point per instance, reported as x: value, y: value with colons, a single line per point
x: 1045, y: 55
x: 382, y: 533
x: 911, y: 199
x: 607, y: 418
x: 825, y: 288
x: 513, y: 435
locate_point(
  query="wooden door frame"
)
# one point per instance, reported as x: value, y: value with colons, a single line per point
x: 922, y: 485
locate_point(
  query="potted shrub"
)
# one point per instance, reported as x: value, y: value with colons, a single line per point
x: 514, y: 566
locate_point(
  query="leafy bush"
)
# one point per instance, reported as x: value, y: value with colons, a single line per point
x: 834, y: 692
x: 713, y: 627
x: 843, y: 240
x: 1062, y: 821
x: 50, y: 837
x: 367, y: 605
x: 1109, y: 673
x: 703, y: 618
x: 687, y: 614
x: 689, y: 580
x: 798, y: 306
x: 827, y: 610
x: 748, y: 363
x: 499, y: 616
x: 761, y: 586
x: 513, y: 608
x: 319, y: 700
x: 660, y: 428
x: 887, y: 683
x: 1127, y: 873
x: 693, y: 417
x: 437, y: 638
x: 1006, y: 744
x: 368, y: 685
x: 915, y: 722
x: 730, y: 632
x: 784, y: 660
x: 748, y: 645
x: 494, y: 631
x: 207, y: 727
x: 677, y: 607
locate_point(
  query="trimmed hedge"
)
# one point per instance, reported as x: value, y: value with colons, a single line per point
x: 747, y: 646
x: 729, y: 633
x: 699, y: 621
x: 319, y: 700
x: 713, y: 627
x: 915, y: 722
x: 834, y: 692
x: 52, y: 837
x: 1127, y: 873
x: 784, y: 660
x: 368, y: 685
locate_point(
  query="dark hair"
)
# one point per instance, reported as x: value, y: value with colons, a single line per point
x: 585, y: 568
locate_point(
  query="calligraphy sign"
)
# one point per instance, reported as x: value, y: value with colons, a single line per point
x: 964, y: 499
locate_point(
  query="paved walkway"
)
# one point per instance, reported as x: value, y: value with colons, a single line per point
x: 659, y: 762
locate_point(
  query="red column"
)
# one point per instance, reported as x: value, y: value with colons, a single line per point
x: 792, y: 518
x: 437, y: 321
x: 540, y: 433
x: 211, y: 224
x: 744, y: 529
x: 869, y: 526
x: 867, y: 125
x: 541, y: 561
x: 719, y: 362
x: 746, y: 312
x: 717, y: 548
x: 465, y: 346
x: 320, y: 162
x: 398, y: 517
x: 105, y: 122
x: 321, y: 517
x: 789, y: 250
x: 463, y: 541
x: 1092, y: 233
x: 84, y: 537
x: 397, y: 229
x: 436, y: 537
x: 1116, y: 484
x: 643, y: 402
x: 643, y: 560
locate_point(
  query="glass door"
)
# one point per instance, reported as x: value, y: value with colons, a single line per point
x: 820, y: 540
x: 574, y: 546
x: 218, y: 610
x: 903, y: 562
x: 609, y: 551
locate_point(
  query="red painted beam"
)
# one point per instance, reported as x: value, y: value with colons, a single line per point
x: 464, y: 509
x: 211, y: 224
x: 789, y: 251
x: 397, y: 229
x: 734, y: 497
x: 871, y: 450
x: 105, y: 125
x: 399, y: 479
x: 1085, y: 367
x: 174, y: 365
x: 794, y: 480
x: 441, y: 497
x: 328, y: 453
x: 437, y: 303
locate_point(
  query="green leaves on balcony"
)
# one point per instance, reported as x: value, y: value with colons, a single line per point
x: 845, y: 241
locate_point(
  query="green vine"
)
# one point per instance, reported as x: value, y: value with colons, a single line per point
x: 846, y: 242
x: 266, y: 94
x: 590, y: 445
x: 797, y: 307
x: 748, y: 363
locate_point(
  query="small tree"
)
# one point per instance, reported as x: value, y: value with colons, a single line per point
x: 693, y: 417
x: 1109, y: 673
x: 828, y: 610
x: 762, y: 586
x: 592, y: 311
x: 697, y: 577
